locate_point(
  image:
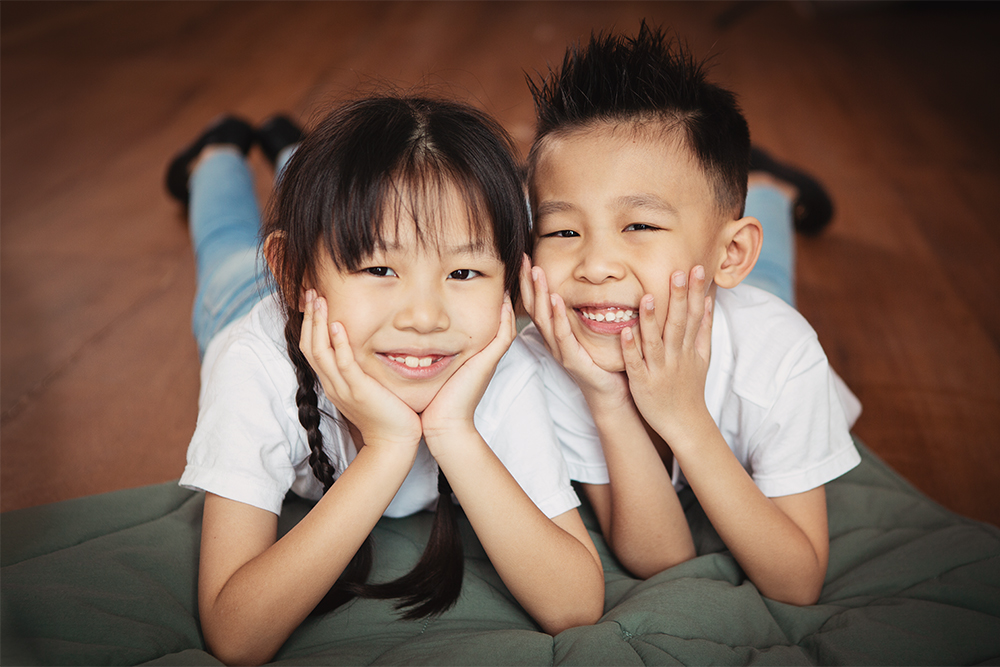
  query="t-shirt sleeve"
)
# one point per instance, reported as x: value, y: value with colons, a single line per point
x: 803, y: 441
x: 524, y: 440
x: 241, y: 446
x: 573, y: 424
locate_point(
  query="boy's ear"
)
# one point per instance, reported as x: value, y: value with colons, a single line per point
x: 274, y: 249
x: 743, y: 239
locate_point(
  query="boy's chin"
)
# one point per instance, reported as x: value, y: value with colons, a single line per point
x: 607, y: 357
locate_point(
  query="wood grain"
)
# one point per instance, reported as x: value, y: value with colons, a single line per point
x: 892, y: 105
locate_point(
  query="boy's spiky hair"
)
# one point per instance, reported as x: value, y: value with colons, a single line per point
x: 648, y: 79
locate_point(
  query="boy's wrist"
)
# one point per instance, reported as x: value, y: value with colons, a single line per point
x: 683, y: 434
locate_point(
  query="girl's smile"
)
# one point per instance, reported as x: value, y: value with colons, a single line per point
x: 417, y: 366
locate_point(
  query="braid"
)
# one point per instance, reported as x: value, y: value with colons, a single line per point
x: 435, y: 582
x: 351, y: 581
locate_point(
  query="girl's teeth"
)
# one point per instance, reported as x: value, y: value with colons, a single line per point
x: 414, y: 362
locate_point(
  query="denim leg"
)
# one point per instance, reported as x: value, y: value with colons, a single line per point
x: 225, y: 226
x: 775, y: 269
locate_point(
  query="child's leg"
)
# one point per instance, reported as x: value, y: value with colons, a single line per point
x: 225, y: 226
x: 775, y: 269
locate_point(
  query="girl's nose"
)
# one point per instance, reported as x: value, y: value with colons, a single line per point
x: 599, y: 261
x: 423, y: 311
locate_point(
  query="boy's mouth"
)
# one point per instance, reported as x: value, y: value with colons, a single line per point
x: 609, y: 319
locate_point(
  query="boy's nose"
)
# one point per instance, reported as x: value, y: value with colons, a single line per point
x: 599, y: 261
x: 423, y: 311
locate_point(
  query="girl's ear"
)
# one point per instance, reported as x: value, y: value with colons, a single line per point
x: 743, y: 239
x: 274, y: 251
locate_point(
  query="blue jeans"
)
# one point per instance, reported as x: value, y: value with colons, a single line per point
x: 232, y: 274
x: 775, y: 269
x: 225, y: 225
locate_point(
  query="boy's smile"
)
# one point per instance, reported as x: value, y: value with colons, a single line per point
x: 617, y: 211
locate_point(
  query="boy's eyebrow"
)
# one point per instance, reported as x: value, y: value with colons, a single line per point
x: 645, y: 200
x: 547, y: 207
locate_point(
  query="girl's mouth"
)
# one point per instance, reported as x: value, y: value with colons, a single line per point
x: 416, y: 366
x: 607, y: 319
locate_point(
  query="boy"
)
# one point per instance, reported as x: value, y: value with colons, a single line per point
x: 637, y: 178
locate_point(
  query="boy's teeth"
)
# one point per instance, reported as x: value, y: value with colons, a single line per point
x: 610, y: 316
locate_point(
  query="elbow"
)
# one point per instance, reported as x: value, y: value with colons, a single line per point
x: 573, y: 617
x: 230, y: 649
x: 644, y: 565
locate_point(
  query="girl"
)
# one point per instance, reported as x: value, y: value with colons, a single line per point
x: 377, y: 379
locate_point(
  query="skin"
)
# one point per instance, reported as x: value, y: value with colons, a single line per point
x: 626, y: 221
x: 445, y: 303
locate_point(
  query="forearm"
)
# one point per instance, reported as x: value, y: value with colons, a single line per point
x: 775, y: 552
x: 645, y: 525
x: 259, y: 606
x: 553, y: 574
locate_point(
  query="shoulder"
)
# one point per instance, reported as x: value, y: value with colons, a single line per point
x: 767, y: 342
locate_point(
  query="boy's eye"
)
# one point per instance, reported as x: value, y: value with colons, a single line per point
x: 639, y: 227
x: 380, y: 271
x: 561, y: 234
x: 463, y: 274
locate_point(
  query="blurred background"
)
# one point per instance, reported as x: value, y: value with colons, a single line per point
x: 893, y: 106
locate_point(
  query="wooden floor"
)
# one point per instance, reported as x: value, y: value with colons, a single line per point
x: 893, y: 106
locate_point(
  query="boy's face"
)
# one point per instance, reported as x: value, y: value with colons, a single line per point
x: 616, y: 213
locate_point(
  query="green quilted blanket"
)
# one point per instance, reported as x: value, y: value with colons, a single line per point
x: 111, y: 579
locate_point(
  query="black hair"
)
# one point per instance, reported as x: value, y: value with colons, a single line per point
x: 345, y: 190
x: 645, y: 80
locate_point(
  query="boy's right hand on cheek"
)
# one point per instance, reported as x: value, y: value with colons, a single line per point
x: 378, y: 413
x: 548, y: 312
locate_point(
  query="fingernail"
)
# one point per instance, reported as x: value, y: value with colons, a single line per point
x: 534, y: 272
x: 649, y: 302
x: 699, y: 272
x: 335, y: 327
x: 552, y: 299
x: 680, y: 279
x: 628, y: 333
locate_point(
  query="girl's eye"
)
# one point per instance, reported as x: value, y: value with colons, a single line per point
x: 380, y: 271
x: 561, y: 234
x: 639, y: 227
x: 463, y: 274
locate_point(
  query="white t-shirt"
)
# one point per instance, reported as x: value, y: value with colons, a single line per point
x: 780, y: 407
x: 249, y: 446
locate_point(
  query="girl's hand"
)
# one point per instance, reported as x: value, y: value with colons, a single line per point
x: 378, y: 414
x: 548, y: 312
x: 455, y: 404
x: 667, y: 369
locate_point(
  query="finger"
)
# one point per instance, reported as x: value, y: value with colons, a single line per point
x: 703, y: 343
x: 305, y: 335
x: 561, y: 331
x: 696, y: 306
x: 634, y: 363
x: 505, y: 335
x: 527, y: 286
x: 543, y: 315
x: 673, y: 331
x: 649, y: 332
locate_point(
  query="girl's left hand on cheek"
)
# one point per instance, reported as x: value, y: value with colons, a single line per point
x: 455, y: 403
x: 667, y: 368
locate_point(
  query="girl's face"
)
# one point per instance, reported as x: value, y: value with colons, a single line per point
x: 416, y: 311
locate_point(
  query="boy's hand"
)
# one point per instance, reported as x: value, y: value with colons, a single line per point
x: 379, y: 414
x: 548, y: 312
x: 453, y: 408
x: 667, y: 369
